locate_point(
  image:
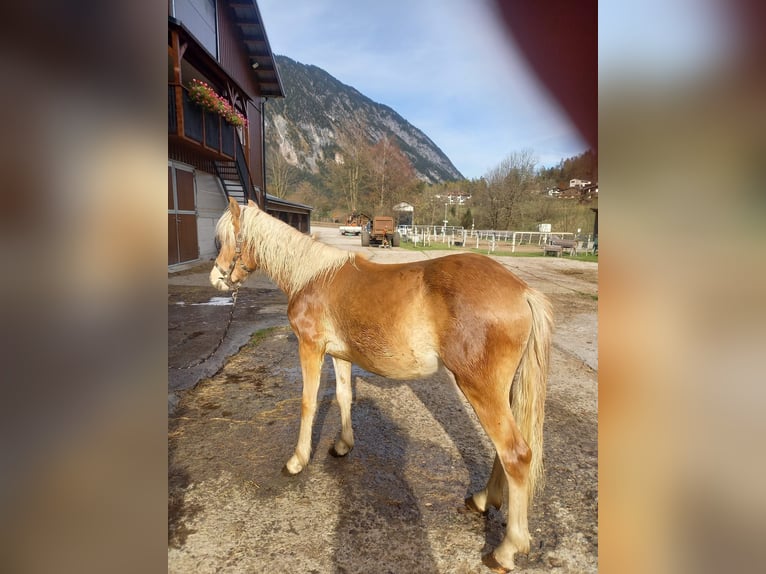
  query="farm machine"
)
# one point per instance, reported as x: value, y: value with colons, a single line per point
x: 381, y: 232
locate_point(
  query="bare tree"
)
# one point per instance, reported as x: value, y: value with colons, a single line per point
x: 392, y: 172
x: 349, y: 170
x: 507, y: 185
x: 380, y: 159
x: 281, y: 175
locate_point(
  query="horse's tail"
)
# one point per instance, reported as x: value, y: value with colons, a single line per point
x: 528, y: 391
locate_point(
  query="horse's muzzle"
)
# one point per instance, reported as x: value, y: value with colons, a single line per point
x: 220, y: 279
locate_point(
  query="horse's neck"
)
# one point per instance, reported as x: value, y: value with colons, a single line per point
x: 285, y: 255
x: 274, y: 254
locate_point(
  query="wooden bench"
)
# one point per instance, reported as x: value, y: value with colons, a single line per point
x: 549, y: 248
x: 557, y: 245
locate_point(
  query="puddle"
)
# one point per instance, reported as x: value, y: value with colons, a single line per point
x: 214, y: 301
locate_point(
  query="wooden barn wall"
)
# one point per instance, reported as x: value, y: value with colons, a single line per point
x: 189, y: 157
x: 233, y: 56
x: 234, y: 59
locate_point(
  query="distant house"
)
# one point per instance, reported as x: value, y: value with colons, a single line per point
x: 222, y: 44
x: 579, y: 183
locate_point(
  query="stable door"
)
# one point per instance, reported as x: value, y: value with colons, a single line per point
x: 182, y: 216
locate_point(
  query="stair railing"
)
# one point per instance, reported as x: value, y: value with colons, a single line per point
x: 251, y: 192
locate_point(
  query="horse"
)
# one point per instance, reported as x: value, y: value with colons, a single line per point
x: 465, y: 313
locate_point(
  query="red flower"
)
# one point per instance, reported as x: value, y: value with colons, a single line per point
x: 205, y: 97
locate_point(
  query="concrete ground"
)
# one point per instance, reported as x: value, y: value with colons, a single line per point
x: 395, y: 503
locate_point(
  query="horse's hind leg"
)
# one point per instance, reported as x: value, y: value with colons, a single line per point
x: 343, y: 393
x: 311, y: 366
x: 492, y: 495
x: 492, y: 406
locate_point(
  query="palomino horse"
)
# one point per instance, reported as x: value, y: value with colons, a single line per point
x: 464, y: 312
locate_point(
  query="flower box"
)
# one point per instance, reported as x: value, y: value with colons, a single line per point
x: 205, y: 97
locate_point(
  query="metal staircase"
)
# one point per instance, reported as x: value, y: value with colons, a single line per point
x: 232, y: 184
x: 236, y: 180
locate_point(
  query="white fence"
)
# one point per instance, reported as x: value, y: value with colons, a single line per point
x: 459, y: 236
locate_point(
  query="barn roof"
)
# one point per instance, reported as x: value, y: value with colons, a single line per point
x: 247, y: 17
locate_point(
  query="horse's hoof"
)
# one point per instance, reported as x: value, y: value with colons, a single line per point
x: 471, y: 505
x: 287, y: 472
x: 334, y: 452
x: 491, y: 562
x: 293, y: 466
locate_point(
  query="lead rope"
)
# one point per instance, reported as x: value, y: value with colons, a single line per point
x: 227, y: 276
x: 223, y: 336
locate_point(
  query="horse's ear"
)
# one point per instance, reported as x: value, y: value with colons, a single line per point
x: 251, y: 203
x: 234, y: 208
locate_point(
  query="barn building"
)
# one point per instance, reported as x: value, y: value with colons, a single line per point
x: 221, y: 74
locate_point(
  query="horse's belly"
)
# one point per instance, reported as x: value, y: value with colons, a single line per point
x: 401, y: 363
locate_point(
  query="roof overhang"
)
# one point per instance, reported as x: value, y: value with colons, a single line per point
x: 273, y: 200
x: 247, y: 18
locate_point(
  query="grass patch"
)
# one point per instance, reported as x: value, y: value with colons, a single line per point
x: 442, y: 247
x: 589, y: 257
x: 260, y: 335
x: 420, y: 247
x: 499, y: 252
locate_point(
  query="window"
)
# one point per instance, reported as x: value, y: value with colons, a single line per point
x: 200, y: 19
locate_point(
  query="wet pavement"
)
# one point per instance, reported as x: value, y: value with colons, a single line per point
x: 197, y: 319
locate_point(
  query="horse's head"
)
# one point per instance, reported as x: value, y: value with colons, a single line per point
x: 235, y: 261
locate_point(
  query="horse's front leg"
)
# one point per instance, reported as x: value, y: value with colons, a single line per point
x: 343, y: 393
x: 311, y: 365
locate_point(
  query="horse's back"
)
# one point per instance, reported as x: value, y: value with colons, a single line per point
x: 464, y: 283
x: 401, y: 320
x: 469, y: 273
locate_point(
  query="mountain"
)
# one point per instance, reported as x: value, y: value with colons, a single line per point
x: 319, y: 112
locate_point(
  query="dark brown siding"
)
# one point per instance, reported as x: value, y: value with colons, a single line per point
x: 232, y: 56
x: 189, y: 157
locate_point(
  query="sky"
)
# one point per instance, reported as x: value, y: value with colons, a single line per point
x: 446, y: 66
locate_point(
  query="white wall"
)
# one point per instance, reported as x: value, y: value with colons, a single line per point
x: 211, y: 203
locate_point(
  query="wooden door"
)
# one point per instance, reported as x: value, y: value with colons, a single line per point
x: 182, y: 216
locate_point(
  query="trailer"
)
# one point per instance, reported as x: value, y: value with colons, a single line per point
x: 355, y: 224
x: 381, y: 232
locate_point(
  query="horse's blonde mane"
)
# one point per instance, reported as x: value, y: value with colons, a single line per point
x: 289, y: 257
